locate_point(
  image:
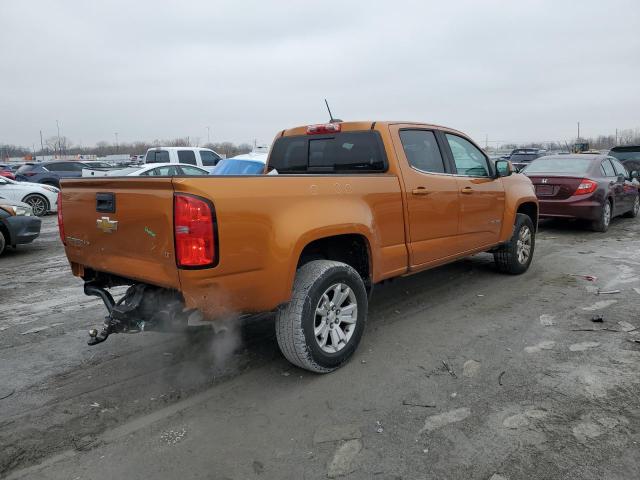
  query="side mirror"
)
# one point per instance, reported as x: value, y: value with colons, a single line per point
x: 503, y: 168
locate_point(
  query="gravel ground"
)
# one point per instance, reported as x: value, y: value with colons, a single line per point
x: 462, y: 373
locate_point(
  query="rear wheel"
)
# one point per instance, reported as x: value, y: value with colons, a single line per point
x: 602, y: 224
x: 3, y: 242
x: 321, y: 327
x: 515, y: 257
x: 39, y: 204
x: 633, y: 213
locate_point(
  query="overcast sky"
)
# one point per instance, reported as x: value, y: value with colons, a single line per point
x: 150, y: 69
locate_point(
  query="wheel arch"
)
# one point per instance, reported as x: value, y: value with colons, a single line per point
x: 529, y: 209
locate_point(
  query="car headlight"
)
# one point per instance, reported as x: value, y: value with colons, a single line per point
x: 18, y: 210
x: 51, y: 189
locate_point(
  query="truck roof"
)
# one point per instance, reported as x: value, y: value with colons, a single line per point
x: 180, y: 148
x: 367, y: 125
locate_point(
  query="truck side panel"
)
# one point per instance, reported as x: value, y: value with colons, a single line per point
x: 264, y: 223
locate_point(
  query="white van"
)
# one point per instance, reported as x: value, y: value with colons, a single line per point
x: 202, y: 157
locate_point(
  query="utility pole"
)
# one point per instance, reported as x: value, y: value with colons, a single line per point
x: 578, y: 132
x: 616, y: 137
x: 486, y: 142
x: 58, y: 127
x: 116, y: 135
x: 41, y: 144
x: 208, y: 136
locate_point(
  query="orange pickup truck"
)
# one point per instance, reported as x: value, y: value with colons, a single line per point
x: 352, y: 204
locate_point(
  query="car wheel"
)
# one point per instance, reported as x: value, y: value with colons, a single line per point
x: 602, y: 224
x: 3, y: 242
x: 321, y: 327
x: 633, y: 213
x: 515, y: 256
x: 39, y: 204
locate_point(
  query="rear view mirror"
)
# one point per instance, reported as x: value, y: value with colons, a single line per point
x: 503, y: 168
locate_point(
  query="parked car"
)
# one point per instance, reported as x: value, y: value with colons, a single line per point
x: 42, y: 198
x: 346, y: 211
x: 521, y: 157
x: 201, y: 157
x: 591, y: 187
x: 17, y: 225
x: 154, y: 170
x: 628, y: 155
x: 50, y: 173
x: 6, y: 171
x: 246, y: 164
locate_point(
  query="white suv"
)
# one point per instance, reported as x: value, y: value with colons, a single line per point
x: 202, y: 157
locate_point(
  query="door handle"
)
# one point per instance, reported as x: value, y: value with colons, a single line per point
x: 466, y: 190
x: 420, y: 191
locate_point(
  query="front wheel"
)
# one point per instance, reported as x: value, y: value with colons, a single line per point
x: 515, y: 256
x: 38, y: 203
x: 321, y: 327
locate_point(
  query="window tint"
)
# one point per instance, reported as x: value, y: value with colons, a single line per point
x: 24, y: 168
x: 469, y: 160
x: 620, y: 170
x: 209, y: 159
x: 158, y: 156
x: 166, y: 171
x: 350, y: 151
x: 608, y: 169
x: 192, y: 170
x: 187, y: 156
x: 421, y: 149
x: 56, y: 167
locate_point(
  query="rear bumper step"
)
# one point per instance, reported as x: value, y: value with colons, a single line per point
x: 142, y: 307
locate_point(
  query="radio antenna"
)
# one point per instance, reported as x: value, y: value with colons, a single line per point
x: 331, y: 119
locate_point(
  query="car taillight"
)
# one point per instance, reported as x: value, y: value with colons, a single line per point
x: 194, y: 230
x: 60, y: 220
x: 586, y: 186
x: 323, y: 128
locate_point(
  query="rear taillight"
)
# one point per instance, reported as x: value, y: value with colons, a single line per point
x: 323, y: 128
x: 194, y: 230
x: 586, y: 186
x: 60, y: 221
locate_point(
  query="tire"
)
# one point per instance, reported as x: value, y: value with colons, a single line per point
x: 514, y: 258
x: 633, y: 213
x: 3, y: 242
x: 39, y: 204
x: 297, y: 322
x: 602, y: 224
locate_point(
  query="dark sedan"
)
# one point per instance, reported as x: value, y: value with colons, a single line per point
x: 590, y: 187
x: 50, y: 173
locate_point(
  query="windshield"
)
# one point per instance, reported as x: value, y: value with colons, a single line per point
x: 577, y: 166
x: 626, y: 154
x: 239, y: 167
x: 524, y: 157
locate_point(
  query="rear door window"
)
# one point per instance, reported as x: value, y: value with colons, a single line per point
x: 343, y: 152
x: 192, y: 170
x: 422, y: 151
x: 158, y: 156
x: 469, y: 160
x: 608, y: 169
x: 187, y: 156
x: 619, y: 168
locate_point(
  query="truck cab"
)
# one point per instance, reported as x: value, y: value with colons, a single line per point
x: 201, y: 157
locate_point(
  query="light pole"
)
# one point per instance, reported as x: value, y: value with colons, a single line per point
x: 208, y: 136
x: 116, y: 135
x: 58, y: 127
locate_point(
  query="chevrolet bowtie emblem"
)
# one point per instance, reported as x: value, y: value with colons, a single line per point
x: 106, y: 224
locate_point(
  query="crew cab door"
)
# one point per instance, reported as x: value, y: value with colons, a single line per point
x: 430, y: 194
x: 481, y: 194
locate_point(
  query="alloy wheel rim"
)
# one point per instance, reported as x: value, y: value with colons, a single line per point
x: 37, y: 204
x: 523, y: 245
x: 606, y: 215
x: 335, y: 318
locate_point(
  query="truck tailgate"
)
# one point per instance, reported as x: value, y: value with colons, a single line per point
x: 122, y: 226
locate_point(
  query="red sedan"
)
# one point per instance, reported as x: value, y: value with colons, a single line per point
x: 590, y: 187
